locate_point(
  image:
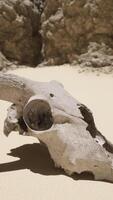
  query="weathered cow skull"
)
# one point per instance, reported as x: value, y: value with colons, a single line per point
x: 64, y: 125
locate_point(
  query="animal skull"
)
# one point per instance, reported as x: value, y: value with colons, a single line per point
x: 49, y: 113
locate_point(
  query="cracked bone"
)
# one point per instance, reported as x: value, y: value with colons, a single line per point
x: 48, y: 112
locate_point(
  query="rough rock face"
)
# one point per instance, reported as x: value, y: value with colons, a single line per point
x: 71, y: 27
x: 20, y: 39
x: 59, y: 31
x: 97, y: 55
x: 4, y: 63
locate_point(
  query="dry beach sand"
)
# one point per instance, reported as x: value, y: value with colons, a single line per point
x: 28, y: 172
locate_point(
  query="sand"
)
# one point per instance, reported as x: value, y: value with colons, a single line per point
x: 30, y: 174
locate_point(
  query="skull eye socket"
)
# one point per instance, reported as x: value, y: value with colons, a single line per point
x: 38, y: 116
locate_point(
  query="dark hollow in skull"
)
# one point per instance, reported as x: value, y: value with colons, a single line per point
x: 38, y: 115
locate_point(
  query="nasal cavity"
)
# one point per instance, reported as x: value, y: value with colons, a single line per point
x: 37, y: 115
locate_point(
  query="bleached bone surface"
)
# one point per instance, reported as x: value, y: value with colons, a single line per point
x: 64, y: 125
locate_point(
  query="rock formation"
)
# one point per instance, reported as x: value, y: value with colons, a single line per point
x: 20, y: 39
x: 70, y: 27
x: 57, y: 31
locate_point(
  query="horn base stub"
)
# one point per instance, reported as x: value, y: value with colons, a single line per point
x: 37, y: 115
